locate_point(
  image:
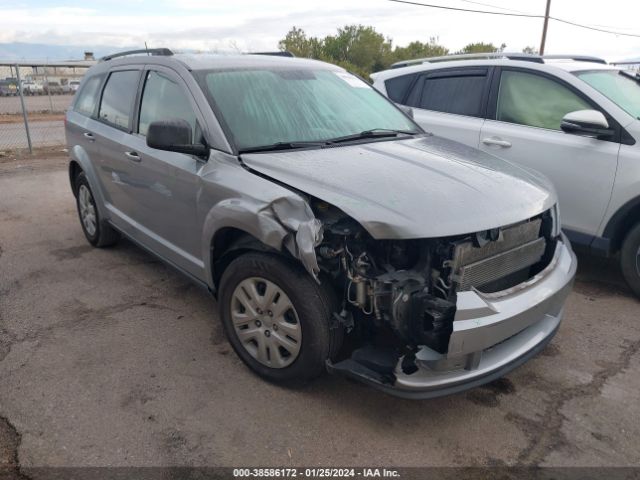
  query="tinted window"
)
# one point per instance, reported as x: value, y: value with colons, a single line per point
x: 397, y: 87
x: 459, y: 94
x: 164, y: 99
x: 118, y: 98
x: 88, y: 96
x: 534, y: 100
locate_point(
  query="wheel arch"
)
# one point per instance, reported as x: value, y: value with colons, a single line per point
x: 74, y: 171
x: 228, y: 243
x: 81, y: 163
x: 622, y: 222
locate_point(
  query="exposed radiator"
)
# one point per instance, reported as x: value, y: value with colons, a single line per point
x: 518, y: 247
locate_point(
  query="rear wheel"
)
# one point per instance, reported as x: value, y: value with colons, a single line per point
x: 630, y: 259
x: 98, y: 232
x: 277, y: 317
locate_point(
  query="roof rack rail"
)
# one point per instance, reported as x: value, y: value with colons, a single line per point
x: 149, y: 51
x: 576, y: 58
x: 471, y: 56
x: 279, y: 53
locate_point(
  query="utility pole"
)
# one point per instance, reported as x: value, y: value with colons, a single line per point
x: 544, y: 28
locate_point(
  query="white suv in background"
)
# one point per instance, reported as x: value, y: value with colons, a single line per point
x: 575, y: 119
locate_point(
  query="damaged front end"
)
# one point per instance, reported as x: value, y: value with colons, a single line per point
x: 427, y: 316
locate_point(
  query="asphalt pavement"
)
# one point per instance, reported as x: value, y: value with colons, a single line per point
x: 108, y: 357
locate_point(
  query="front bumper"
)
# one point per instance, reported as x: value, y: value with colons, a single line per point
x: 492, y: 334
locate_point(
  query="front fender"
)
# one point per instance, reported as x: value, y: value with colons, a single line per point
x: 286, y: 221
x: 244, y: 215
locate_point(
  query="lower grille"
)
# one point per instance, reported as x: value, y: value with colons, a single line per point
x: 493, y: 268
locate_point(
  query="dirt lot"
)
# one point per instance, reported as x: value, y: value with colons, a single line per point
x: 107, y: 357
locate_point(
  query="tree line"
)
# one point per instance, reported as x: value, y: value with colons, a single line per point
x: 362, y: 50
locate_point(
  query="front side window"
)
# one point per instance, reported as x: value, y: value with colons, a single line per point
x: 118, y: 98
x: 164, y: 99
x: 88, y: 96
x: 535, y: 101
x: 458, y: 94
x: 269, y: 106
x: 617, y: 86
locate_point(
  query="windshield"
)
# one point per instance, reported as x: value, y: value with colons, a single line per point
x: 617, y: 86
x: 267, y: 107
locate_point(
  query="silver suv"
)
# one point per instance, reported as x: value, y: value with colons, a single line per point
x: 573, y: 118
x: 335, y: 233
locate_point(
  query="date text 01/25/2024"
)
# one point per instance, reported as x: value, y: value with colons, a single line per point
x: 315, y: 473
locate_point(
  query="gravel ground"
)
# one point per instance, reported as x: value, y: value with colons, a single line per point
x: 108, y: 357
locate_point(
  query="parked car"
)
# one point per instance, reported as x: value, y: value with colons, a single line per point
x: 70, y: 87
x: 32, y: 88
x: 8, y: 88
x: 314, y: 210
x: 575, y: 119
x: 53, y: 88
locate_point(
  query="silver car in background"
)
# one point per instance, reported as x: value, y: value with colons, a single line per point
x: 334, y: 232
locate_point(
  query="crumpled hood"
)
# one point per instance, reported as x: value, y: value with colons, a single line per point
x: 413, y: 188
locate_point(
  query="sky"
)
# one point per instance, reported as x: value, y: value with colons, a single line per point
x: 251, y: 25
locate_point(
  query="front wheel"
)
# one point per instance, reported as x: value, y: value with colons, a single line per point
x: 630, y: 259
x: 277, y: 318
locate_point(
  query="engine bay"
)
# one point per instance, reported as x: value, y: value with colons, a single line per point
x: 402, y: 293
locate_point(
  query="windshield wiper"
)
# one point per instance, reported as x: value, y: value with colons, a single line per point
x: 283, y: 146
x: 373, y: 133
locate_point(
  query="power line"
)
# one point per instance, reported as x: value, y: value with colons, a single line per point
x: 594, y: 28
x: 458, y: 9
x: 493, y: 6
x: 524, y: 15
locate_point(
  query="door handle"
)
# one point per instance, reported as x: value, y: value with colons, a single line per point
x: 89, y: 136
x: 498, y: 142
x: 132, y: 156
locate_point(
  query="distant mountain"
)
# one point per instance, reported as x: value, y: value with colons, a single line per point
x: 41, y: 51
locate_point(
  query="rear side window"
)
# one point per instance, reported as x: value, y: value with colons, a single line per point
x: 460, y: 93
x: 118, y: 98
x: 397, y: 87
x: 88, y: 96
x: 534, y: 100
x: 164, y: 99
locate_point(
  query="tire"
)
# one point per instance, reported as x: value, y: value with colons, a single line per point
x: 630, y: 259
x: 98, y: 232
x: 307, y: 321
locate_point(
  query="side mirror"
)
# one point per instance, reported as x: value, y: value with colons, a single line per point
x: 174, y: 136
x: 408, y: 111
x: 590, y: 123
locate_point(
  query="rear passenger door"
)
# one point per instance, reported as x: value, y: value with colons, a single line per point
x: 451, y: 102
x: 112, y: 136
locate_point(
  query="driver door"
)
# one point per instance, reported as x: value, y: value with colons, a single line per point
x: 166, y: 184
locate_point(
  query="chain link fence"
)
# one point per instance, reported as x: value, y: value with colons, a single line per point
x: 33, y: 100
